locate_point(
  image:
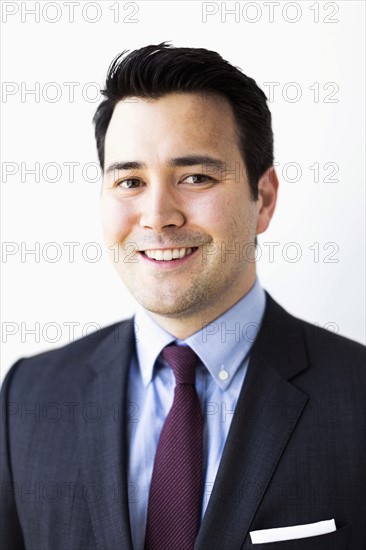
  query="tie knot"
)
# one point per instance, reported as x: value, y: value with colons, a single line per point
x: 182, y: 360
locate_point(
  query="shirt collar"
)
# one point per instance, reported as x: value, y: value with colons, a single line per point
x: 222, y: 345
x: 151, y: 338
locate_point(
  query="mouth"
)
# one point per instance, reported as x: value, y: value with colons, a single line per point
x: 168, y: 254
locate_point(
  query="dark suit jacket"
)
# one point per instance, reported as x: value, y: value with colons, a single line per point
x: 295, y: 452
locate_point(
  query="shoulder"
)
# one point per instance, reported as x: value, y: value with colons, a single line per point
x: 284, y: 331
x: 283, y: 323
x: 322, y: 341
x: 68, y: 362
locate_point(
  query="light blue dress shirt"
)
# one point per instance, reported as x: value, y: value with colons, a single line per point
x: 223, y: 347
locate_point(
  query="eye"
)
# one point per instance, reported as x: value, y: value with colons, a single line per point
x: 130, y: 183
x: 198, y: 178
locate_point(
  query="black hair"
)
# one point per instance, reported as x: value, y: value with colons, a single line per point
x: 153, y: 71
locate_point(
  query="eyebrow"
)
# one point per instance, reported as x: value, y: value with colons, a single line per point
x: 191, y: 160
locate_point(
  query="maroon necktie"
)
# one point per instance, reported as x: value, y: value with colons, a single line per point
x: 175, y: 491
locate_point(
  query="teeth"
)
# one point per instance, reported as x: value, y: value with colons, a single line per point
x: 168, y: 255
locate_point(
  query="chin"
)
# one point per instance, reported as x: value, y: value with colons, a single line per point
x: 172, y: 307
x: 166, y: 310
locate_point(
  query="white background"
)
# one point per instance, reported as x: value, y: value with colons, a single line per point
x: 311, y: 44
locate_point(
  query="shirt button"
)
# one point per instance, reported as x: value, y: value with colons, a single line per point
x: 223, y: 374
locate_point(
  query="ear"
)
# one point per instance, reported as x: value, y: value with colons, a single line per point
x: 267, y: 196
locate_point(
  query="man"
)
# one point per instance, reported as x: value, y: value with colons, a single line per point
x: 214, y: 416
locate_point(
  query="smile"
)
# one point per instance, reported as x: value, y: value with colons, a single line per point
x: 170, y: 254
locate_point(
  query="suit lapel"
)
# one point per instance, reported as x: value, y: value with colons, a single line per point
x: 104, y: 433
x: 267, y: 412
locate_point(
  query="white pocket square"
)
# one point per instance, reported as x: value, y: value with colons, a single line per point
x: 294, y: 532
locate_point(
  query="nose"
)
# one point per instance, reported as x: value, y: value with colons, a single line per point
x: 161, y: 208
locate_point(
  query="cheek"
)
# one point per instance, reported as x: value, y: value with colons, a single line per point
x: 210, y: 209
x: 223, y: 216
x: 117, y: 219
x: 241, y: 225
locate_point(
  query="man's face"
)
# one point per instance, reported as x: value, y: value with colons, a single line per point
x: 180, y: 230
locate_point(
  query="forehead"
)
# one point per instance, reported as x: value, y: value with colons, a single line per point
x: 175, y: 123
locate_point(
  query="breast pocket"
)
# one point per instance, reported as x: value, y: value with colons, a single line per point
x: 338, y: 540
